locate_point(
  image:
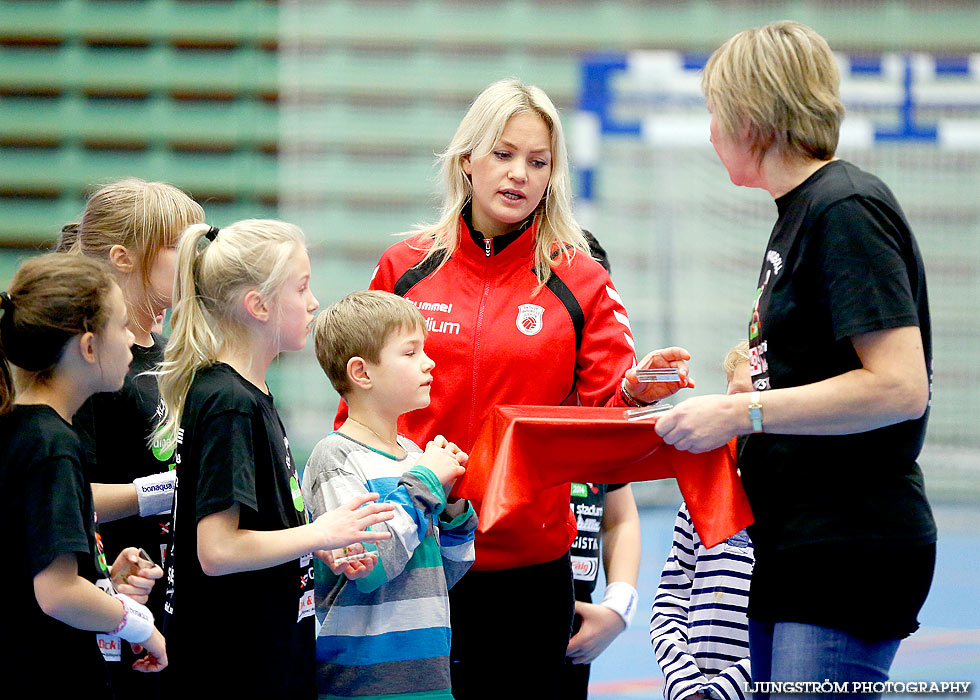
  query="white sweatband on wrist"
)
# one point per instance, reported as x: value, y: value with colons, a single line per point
x: 137, y: 623
x: 155, y: 493
x: 622, y: 598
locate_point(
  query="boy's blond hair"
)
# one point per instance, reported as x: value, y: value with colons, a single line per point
x: 359, y: 325
x: 782, y: 82
x: 736, y: 356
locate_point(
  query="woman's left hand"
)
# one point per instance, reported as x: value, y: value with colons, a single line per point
x: 703, y: 423
x: 648, y: 392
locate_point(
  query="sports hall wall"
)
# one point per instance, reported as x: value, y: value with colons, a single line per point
x: 328, y: 112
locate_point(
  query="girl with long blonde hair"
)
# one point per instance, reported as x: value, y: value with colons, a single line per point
x: 239, y: 571
x: 132, y: 226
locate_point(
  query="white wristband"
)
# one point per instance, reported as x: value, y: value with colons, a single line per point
x: 155, y: 493
x: 621, y: 597
x: 137, y: 622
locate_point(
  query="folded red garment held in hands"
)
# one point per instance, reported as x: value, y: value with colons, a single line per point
x: 521, y: 465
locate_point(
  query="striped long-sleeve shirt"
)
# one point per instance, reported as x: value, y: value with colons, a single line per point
x: 698, y: 626
x: 388, y: 634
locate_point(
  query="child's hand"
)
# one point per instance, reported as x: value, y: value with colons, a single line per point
x: 442, y: 461
x: 133, y: 575
x: 600, y: 626
x: 156, y: 654
x: 461, y: 456
x: 351, y: 568
x: 349, y: 523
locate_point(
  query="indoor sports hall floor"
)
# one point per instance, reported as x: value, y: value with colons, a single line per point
x: 946, y: 647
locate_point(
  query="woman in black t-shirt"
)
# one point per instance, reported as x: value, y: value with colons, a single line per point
x: 840, y: 363
x: 63, y: 328
x: 239, y: 570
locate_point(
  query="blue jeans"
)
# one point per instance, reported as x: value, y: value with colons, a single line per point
x: 798, y: 652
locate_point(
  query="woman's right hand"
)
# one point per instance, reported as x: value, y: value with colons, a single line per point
x: 665, y: 358
x: 156, y: 654
x: 443, y: 459
x: 349, y: 523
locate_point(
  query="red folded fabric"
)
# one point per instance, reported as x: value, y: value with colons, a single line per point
x: 521, y: 465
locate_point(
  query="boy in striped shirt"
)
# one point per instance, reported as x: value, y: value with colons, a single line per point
x: 384, y: 610
x: 699, y: 629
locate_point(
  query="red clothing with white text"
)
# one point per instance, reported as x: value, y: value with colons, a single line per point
x: 473, y: 308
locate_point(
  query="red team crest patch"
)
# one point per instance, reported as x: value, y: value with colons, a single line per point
x: 529, y: 319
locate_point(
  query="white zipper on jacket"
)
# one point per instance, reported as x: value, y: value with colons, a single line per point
x: 472, y: 429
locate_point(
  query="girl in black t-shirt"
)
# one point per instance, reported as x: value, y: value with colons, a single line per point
x: 63, y: 328
x: 239, y: 571
x: 133, y: 225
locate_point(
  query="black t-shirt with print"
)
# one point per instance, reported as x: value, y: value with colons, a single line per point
x: 588, y: 504
x: 115, y: 428
x: 45, y: 511
x: 232, y: 449
x: 841, y: 261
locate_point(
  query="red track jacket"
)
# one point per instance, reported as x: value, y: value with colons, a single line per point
x: 495, y: 341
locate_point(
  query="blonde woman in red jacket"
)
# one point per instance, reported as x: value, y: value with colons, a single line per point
x: 517, y: 312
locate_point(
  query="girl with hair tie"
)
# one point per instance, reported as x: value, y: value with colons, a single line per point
x: 240, y: 571
x: 64, y: 330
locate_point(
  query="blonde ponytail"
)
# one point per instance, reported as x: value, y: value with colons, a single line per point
x: 192, y: 344
x: 210, y: 283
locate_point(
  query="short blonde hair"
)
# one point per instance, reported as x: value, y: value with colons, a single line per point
x: 558, y: 235
x: 738, y: 355
x: 782, y: 82
x: 359, y: 325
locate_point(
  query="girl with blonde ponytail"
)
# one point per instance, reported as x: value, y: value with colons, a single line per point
x: 241, y: 537
x: 63, y: 328
x: 133, y: 226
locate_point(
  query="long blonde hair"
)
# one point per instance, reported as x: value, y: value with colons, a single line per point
x: 140, y: 215
x: 210, y: 284
x: 736, y: 356
x: 476, y: 135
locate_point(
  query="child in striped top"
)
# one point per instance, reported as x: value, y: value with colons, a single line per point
x: 384, y: 610
x: 698, y: 628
